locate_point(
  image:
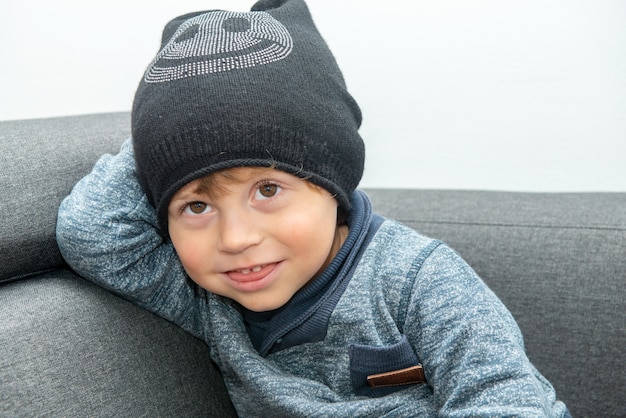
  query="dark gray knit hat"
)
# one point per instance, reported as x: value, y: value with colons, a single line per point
x: 232, y: 89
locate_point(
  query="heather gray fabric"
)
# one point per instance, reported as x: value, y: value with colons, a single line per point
x: 40, y: 161
x: 71, y: 349
x: 558, y: 262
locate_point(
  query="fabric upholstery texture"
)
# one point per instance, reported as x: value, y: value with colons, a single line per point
x: 68, y: 348
x: 40, y: 162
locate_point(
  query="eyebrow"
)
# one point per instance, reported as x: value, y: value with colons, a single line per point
x: 187, y: 195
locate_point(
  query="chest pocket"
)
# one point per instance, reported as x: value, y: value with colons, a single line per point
x: 378, y: 371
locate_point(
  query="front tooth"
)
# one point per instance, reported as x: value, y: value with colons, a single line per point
x: 245, y: 271
x: 256, y: 269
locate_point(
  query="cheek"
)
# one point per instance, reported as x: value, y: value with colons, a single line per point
x: 311, y: 231
x: 190, y: 254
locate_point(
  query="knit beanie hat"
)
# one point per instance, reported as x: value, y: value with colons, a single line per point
x: 231, y: 89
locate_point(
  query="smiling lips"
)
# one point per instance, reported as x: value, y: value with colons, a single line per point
x: 254, y: 269
x: 252, y: 274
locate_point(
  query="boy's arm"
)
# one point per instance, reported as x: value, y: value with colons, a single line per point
x: 471, y: 348
x: 107, y: 233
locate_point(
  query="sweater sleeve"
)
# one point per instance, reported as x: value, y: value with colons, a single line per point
x: 471, y: 348
x: 107, y: 232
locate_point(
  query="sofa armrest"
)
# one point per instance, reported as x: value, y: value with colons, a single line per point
x: 71, y: 349
x: 40, y: 162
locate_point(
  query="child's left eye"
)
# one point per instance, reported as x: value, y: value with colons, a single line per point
x: 266, y: 191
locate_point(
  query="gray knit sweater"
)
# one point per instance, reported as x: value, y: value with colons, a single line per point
x: 410, y: 300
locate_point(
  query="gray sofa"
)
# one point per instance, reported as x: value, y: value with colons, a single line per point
x: 68, y: 348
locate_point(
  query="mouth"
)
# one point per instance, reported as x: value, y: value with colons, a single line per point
x: 256, y: 275
x: 254, y: 269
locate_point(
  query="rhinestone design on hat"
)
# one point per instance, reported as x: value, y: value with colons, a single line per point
x: 220, y: 41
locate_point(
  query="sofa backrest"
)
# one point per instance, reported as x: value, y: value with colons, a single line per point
x: 558, y: 261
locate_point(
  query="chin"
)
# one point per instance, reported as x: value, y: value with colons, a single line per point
x: 262, y: 306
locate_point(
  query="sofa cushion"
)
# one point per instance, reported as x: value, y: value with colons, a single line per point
x: 40, y: 161
x: 71, y: 349
x: 557, y: 261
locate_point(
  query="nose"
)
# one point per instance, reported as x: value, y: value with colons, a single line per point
x: 238, y: 232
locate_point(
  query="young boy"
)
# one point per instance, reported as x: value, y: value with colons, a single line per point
x: 241, y: 176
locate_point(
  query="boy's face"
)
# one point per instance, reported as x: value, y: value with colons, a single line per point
x: 260, y: 240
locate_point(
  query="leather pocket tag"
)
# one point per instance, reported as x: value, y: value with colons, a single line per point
x: 410, y: 375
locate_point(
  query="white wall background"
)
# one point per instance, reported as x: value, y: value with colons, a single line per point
x: 485, y: 94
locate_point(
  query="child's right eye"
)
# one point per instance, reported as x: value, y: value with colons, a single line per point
x: 196, y: 208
